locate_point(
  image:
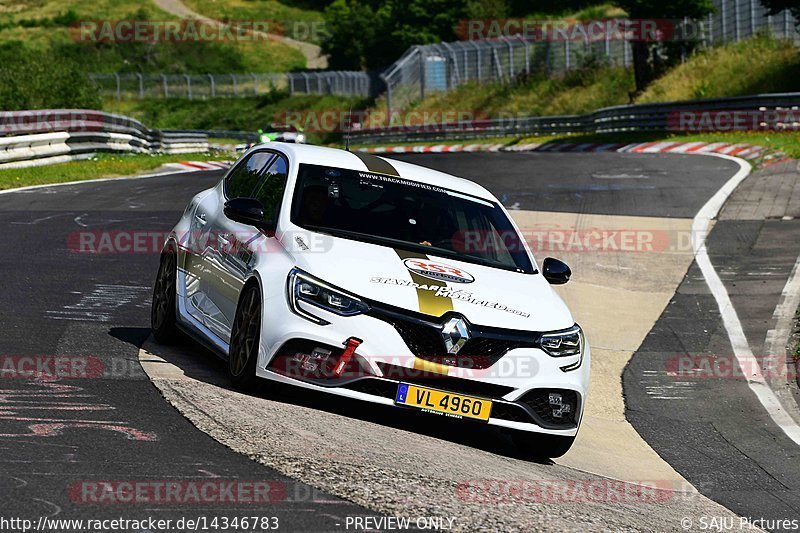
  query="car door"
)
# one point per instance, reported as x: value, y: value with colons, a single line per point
x: 234, y: 259
x: 205, y: 259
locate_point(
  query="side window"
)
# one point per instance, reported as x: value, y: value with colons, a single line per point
x: 270, y: 188
x: 242, y: 181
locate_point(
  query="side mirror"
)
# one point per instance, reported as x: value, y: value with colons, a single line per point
x: 248, y: 211
x: 555, y: 272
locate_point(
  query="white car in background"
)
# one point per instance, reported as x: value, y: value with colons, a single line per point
x: 377, y: 280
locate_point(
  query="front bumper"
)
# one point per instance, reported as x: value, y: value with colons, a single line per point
x: 518, y: 383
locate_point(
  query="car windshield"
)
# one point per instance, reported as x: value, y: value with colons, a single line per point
x: 406, y: 214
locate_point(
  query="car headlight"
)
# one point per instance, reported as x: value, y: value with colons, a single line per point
x: 564, y: 343
x: 305, y: 288
x: 300, y: 138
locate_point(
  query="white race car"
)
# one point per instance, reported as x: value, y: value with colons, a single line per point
x: 378, y: 280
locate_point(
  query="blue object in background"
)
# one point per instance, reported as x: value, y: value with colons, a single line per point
x: 435, y: 73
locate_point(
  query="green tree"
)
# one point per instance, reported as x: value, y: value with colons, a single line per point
x: 353, y: 27
x: 658, y: 9
x: 374, y: 33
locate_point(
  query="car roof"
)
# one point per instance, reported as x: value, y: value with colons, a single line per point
x: 334, y: 157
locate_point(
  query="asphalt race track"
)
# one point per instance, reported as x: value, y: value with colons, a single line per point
x: 96, y: 308
x: 67, y: 307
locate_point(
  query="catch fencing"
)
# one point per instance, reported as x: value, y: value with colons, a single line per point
x: 135, y: 86
x: 427, y: 69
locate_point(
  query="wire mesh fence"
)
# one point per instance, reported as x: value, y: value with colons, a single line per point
x: 204, y: 86
x: 426, y: 69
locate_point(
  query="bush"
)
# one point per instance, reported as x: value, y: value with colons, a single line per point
x: 32, y: 79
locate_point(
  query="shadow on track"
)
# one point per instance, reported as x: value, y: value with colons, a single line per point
x: 197, y: 362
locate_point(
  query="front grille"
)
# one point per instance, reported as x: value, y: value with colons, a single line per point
x: 423, y: 336
x: 422, y: 339
x: 539, y: 401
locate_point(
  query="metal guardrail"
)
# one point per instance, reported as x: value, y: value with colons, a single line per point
x: 239, y: 135
x: 30, y: 138
x: 658, y: 117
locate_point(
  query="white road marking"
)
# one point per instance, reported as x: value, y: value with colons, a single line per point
x: 620, y: 176
x: 36, y: 221
x: 99, y: 305
x: 778, y: 337
x: 741, y: 348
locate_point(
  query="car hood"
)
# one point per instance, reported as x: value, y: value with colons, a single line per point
x: 431, y: 284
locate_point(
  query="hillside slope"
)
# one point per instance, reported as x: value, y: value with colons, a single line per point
x: 758, y: 65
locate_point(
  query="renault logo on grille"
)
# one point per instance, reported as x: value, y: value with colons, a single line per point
x: 455, y: 334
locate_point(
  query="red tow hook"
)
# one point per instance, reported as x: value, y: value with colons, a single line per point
x: 350, y: 348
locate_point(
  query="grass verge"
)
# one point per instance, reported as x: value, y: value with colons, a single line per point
x: 753, y: 66
x: 312, y: 113
x: 301, y: 23
x: 757, y: 65
x: 101, y: 166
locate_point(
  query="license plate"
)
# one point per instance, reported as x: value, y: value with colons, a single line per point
x: 442, y: 402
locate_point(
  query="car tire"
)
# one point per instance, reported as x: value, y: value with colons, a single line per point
x: 163, y: 317
x: 245, y: 339
x: 540, y: 445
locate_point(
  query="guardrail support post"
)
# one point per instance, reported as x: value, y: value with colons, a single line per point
x: 166, y: 88
x: 188, y: 85
x: 119, y: 89
x: 141, y: 85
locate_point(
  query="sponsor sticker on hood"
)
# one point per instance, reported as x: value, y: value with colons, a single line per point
x: 438, y: 271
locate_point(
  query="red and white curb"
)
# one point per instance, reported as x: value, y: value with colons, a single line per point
x: 194, y: 166
x: 744, y: 151
x: 436, y: 149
